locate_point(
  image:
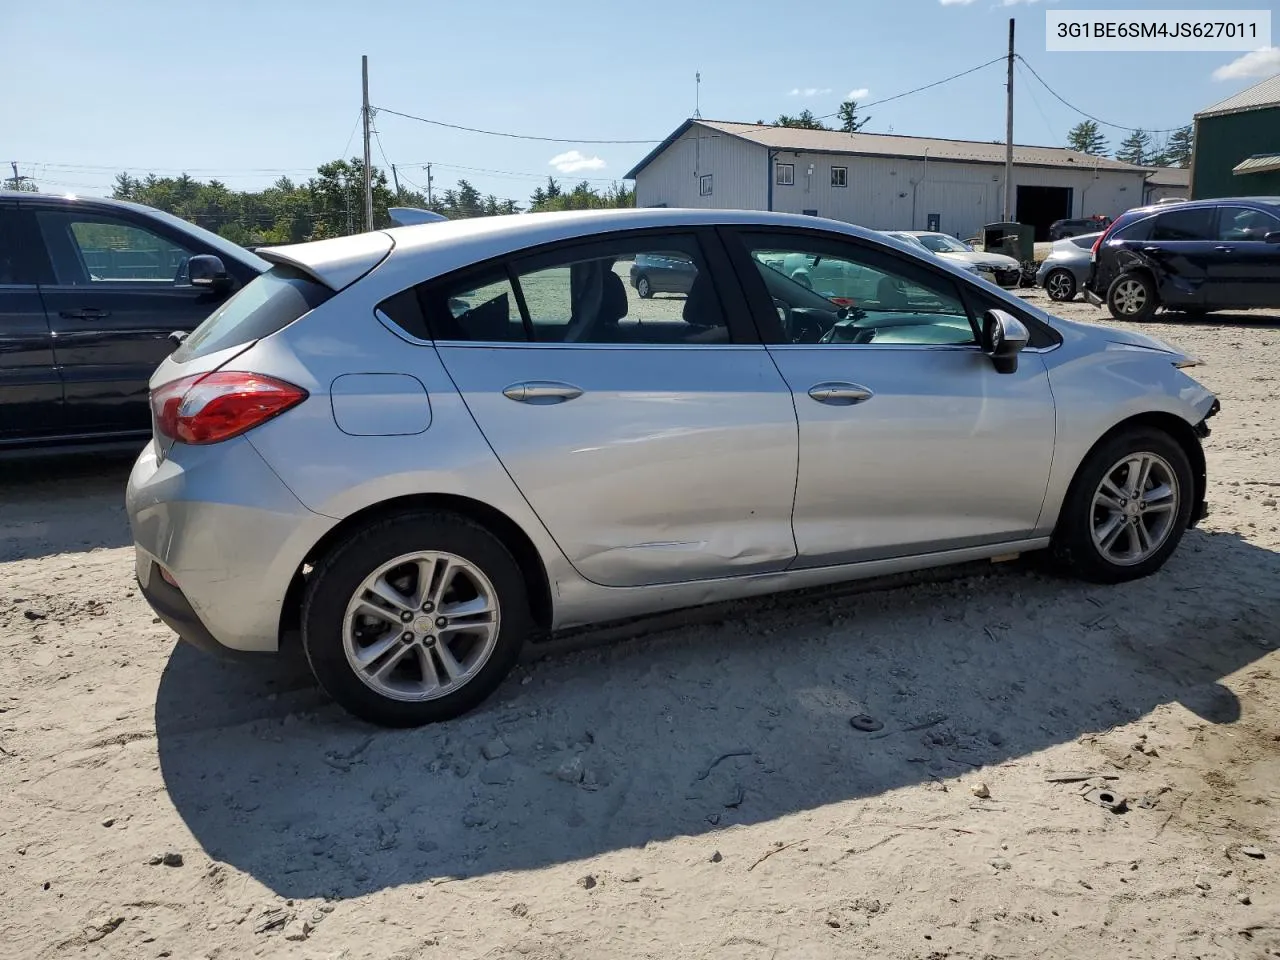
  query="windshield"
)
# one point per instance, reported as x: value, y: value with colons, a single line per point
x: 909, y: 240
x: 941, y: 243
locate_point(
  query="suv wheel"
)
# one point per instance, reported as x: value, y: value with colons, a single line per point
x: 1061, y: 285
x: 643, y: 287
x: 1132, y: 296
x: 415, y: 618
x: 1127, y: 508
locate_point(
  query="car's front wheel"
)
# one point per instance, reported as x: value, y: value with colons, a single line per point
x: 415, y: 618
x: 644, y: 287
x: 1133, y: 296
x: 1127, y: 508
x: 1060, y: 285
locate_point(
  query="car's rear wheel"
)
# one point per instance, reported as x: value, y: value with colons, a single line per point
x: 415, y: 618
x: 1061, y: 285
x: 1127, y: 508
x: 1132, y: 296
x: 644, y: 287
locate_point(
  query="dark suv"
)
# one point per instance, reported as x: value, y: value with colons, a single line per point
x: 90, y: 293
x: 1192, y: 257
x: 1062, y: 229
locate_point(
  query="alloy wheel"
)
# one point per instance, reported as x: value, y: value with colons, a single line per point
x: 1130, y: 297
x: 421, y: 626
x: 1134, y: 508
x: 1060, y: 286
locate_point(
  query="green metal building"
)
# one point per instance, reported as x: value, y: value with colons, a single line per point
x: 1237, y: 145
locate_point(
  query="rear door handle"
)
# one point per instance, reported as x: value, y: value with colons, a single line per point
x: 1151, y: 250
x: 84, y: 313
x: 840, y: 393
x: 542, y: 391
x: 1224, y: 249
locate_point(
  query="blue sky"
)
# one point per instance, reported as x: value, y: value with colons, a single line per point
x: 243, y: 90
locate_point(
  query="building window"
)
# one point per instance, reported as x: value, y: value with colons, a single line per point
x: 839, y: 176
x: 786, y: 174
x: 704, y: 185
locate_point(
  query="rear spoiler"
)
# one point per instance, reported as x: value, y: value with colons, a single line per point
x: 335, y: 263
x: 412, y: 216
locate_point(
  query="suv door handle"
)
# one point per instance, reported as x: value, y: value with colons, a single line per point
x: 1151, y: 250
x: 1224, y: 249
x: 840, y: 393
x: 84, y: 313
x: 542, y: 391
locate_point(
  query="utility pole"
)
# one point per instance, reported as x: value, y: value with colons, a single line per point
x: 1008, y: 150
x: 368, y: 170
x: 430, y: 198
x: 396, y: 178
x: 697, y: 95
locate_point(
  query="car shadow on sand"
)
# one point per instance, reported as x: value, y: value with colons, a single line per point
x: 65, y: 504
x: 740, y: 717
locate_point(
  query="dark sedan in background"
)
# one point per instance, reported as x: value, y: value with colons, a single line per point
x: 90, y: 292
x: 662, y: 273
x: 1191, y: 257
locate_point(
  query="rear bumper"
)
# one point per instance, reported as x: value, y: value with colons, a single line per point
x: 229, y: 532
x: 1092, y: 297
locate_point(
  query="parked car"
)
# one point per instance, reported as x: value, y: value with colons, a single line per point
x: 90, y: 292
x: 913, y: 241
x: 1191, y: 257
x: 1067, y: 267
x: 1062, y: 229
x: 996, y: 267
x: 662, y: 272
x: 369, y: 447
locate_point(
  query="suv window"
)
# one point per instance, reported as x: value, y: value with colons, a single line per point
x: 14, y: 266
x: 589, y: 294
x: 1245, y: 224
x: 1183, y: 225
x: 832, y: 292
x: 89, y: 248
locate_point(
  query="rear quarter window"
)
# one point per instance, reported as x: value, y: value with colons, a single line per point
x: 264, y: 306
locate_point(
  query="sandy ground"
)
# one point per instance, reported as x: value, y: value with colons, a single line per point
x: 690, y: 788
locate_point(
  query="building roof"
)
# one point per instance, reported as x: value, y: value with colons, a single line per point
x: 889, y: 145
x: 1170, y: 177
x: 1259, y: 163
x: 1258, y: 97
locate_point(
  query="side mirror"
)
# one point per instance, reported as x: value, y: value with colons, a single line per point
x: 207, y: 271
x: 1003, y: 338
x: 1272, y: 237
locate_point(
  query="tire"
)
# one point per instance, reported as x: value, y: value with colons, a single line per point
x: 482, y: 646
x: 644, y: 287
x: 1083, y: 520
x: 1060, y: 285
x: 1133, y: 297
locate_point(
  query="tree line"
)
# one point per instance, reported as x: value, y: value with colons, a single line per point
x: 331, y: 204
x: 1139, y: 147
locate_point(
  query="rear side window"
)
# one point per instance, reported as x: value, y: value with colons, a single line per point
x: 1086, y: 241
x: 1183, y: 225
x: 1134, y: 230
x: 268, y: 304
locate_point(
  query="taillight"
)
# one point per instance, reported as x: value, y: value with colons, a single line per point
x: 211, y: 407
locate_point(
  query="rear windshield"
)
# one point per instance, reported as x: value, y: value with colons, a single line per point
x: 268, y: 304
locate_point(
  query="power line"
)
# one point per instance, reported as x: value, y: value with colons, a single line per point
x: 1105, y: 123
x: 512, y: 174
x: 927, y: 86
x: 1043, y: 116
x: 498, y: 133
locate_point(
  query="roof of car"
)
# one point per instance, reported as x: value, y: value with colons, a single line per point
x: 1196, y: 204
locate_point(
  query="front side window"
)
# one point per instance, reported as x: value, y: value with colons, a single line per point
x: 93, y: 249
x: 628, y: 292
x: 1244, y: 224
x: 839, y: 176
x: 15, y: 267
x: 786, y: 175
x: 1183, y: 225
x: 836, y: 293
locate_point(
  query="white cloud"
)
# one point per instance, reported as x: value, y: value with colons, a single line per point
x: 573, y: 161
x: 955, y: 3
x: 860, y: 94
x: 1259, y: 63
x: 809, y: 91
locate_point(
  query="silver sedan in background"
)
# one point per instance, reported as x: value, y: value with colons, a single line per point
x: 1064, y: 272
x: 417, y: 448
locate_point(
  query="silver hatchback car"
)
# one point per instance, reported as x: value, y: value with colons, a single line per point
x: 416, y: 448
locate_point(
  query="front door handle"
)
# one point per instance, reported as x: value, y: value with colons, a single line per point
x: 840, y: 393
x: 84, y: 313
x: 1224, y: 249
x: 542, y: 391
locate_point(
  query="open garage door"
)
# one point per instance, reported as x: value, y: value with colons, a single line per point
x: 1041, y: 206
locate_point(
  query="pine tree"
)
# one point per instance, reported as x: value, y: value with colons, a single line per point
x: 1136, y: 148
x: 805, y: 120
x: 1087, y: 138
x: 1177, y: 153
x: 850, y: 122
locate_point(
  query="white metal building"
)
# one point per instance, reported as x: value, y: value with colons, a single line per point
x: 881, y: 181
